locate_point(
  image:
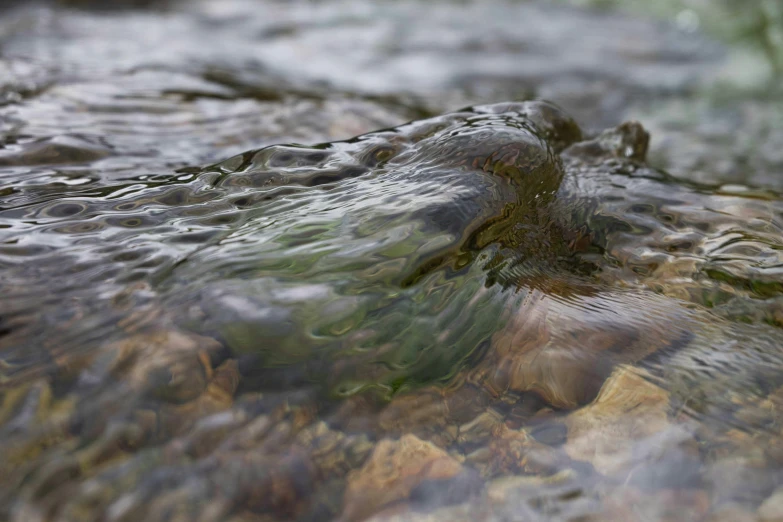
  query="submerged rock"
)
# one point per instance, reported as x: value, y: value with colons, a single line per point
x: 377, y: 327
x: 393, y: 471
x: 628, y: 411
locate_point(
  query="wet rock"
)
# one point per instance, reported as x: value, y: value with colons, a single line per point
x: 169, y: 364
x: 481, y: 428
x: 563, y: 354
x: 629, y: 140
x: 208, y: 432
x: 217, y: 396
x: 512, y: 452
x: 628, y: 409
x: 559, y: 129
x: 506, y: 489
x: 428, y: 408
x: 393, y: 471
x: 54, y: 151
x: 332, y: 452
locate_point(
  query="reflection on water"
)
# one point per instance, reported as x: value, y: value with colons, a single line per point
x: 486, y: 314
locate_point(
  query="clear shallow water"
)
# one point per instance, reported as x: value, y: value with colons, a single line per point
x: 484, y: 304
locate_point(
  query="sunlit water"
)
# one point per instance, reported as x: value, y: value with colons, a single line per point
x: 488, y: 313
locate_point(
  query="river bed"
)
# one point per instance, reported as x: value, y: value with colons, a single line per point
x: 329, y: 260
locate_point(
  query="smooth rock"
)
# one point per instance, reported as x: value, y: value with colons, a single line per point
x: 393, y: 471
x: 628, y: 408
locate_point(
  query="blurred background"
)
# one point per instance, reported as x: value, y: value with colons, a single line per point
x: 170, y: 83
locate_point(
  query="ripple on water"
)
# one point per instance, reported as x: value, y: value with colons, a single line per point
x: 456, y: 300
x: 430, y: 278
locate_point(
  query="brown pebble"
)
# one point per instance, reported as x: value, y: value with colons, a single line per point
x: 392, y: 472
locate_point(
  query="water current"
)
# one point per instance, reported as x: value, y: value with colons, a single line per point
x: 340, y: 260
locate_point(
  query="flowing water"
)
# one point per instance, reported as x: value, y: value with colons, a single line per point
x: 306, y: 261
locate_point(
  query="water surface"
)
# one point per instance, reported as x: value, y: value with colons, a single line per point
x: 295, y: 261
